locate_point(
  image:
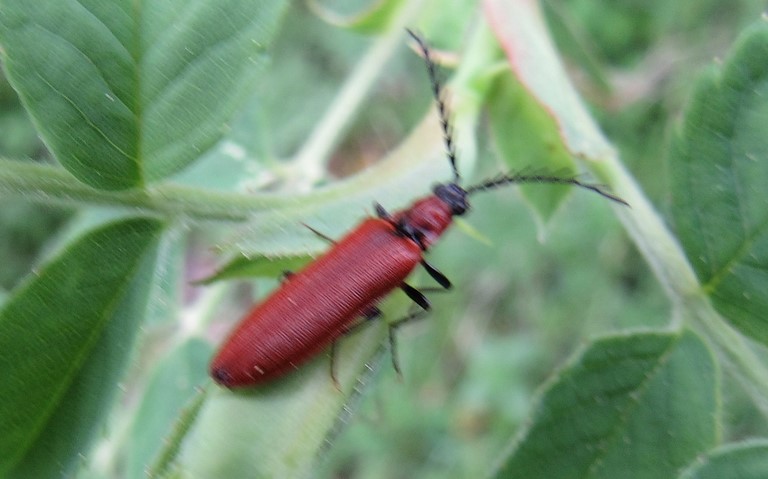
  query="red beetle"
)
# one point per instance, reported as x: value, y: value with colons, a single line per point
x: 340, y: 289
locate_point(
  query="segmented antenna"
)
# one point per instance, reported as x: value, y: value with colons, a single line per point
x: 507, y: 179
x: 445, y: 122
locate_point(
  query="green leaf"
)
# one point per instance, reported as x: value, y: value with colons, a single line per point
x: 747, y: 460
x: 65, y: 336
x: 374, y: 19
x: 528, y: 141
x: 260, y: 266
x: 165, y: 465
x: 522, y: 33
x: 632, y: 406
x: 126, y: 93
x: 719, y: 170
x: 172, y: 384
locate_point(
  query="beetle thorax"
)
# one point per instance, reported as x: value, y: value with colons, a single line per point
x: 428, y: 218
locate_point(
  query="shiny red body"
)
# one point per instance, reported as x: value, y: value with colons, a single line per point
x: 315, y: 306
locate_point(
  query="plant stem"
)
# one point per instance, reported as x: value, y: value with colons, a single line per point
x: 50, y: 184
x: 671, y: 267
x: 307, y: 167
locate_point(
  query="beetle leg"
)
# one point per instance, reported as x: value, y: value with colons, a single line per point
x: 287, y: 275
x: 381, y: 212
x: 412, y: 316
x: 333, y: 367
x: 371, y: 313
x: 319, y: 234
x: 422, y: 301
x: 416, y: 296
x: 393, y: 352
x: 441, y: 279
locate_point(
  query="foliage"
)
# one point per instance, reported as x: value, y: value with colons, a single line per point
x: 147, y: 136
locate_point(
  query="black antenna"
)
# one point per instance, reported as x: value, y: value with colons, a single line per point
x: 503, y: 179
x: 441, y: 108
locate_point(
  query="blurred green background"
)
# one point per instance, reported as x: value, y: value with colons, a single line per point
x: 522, y: 304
